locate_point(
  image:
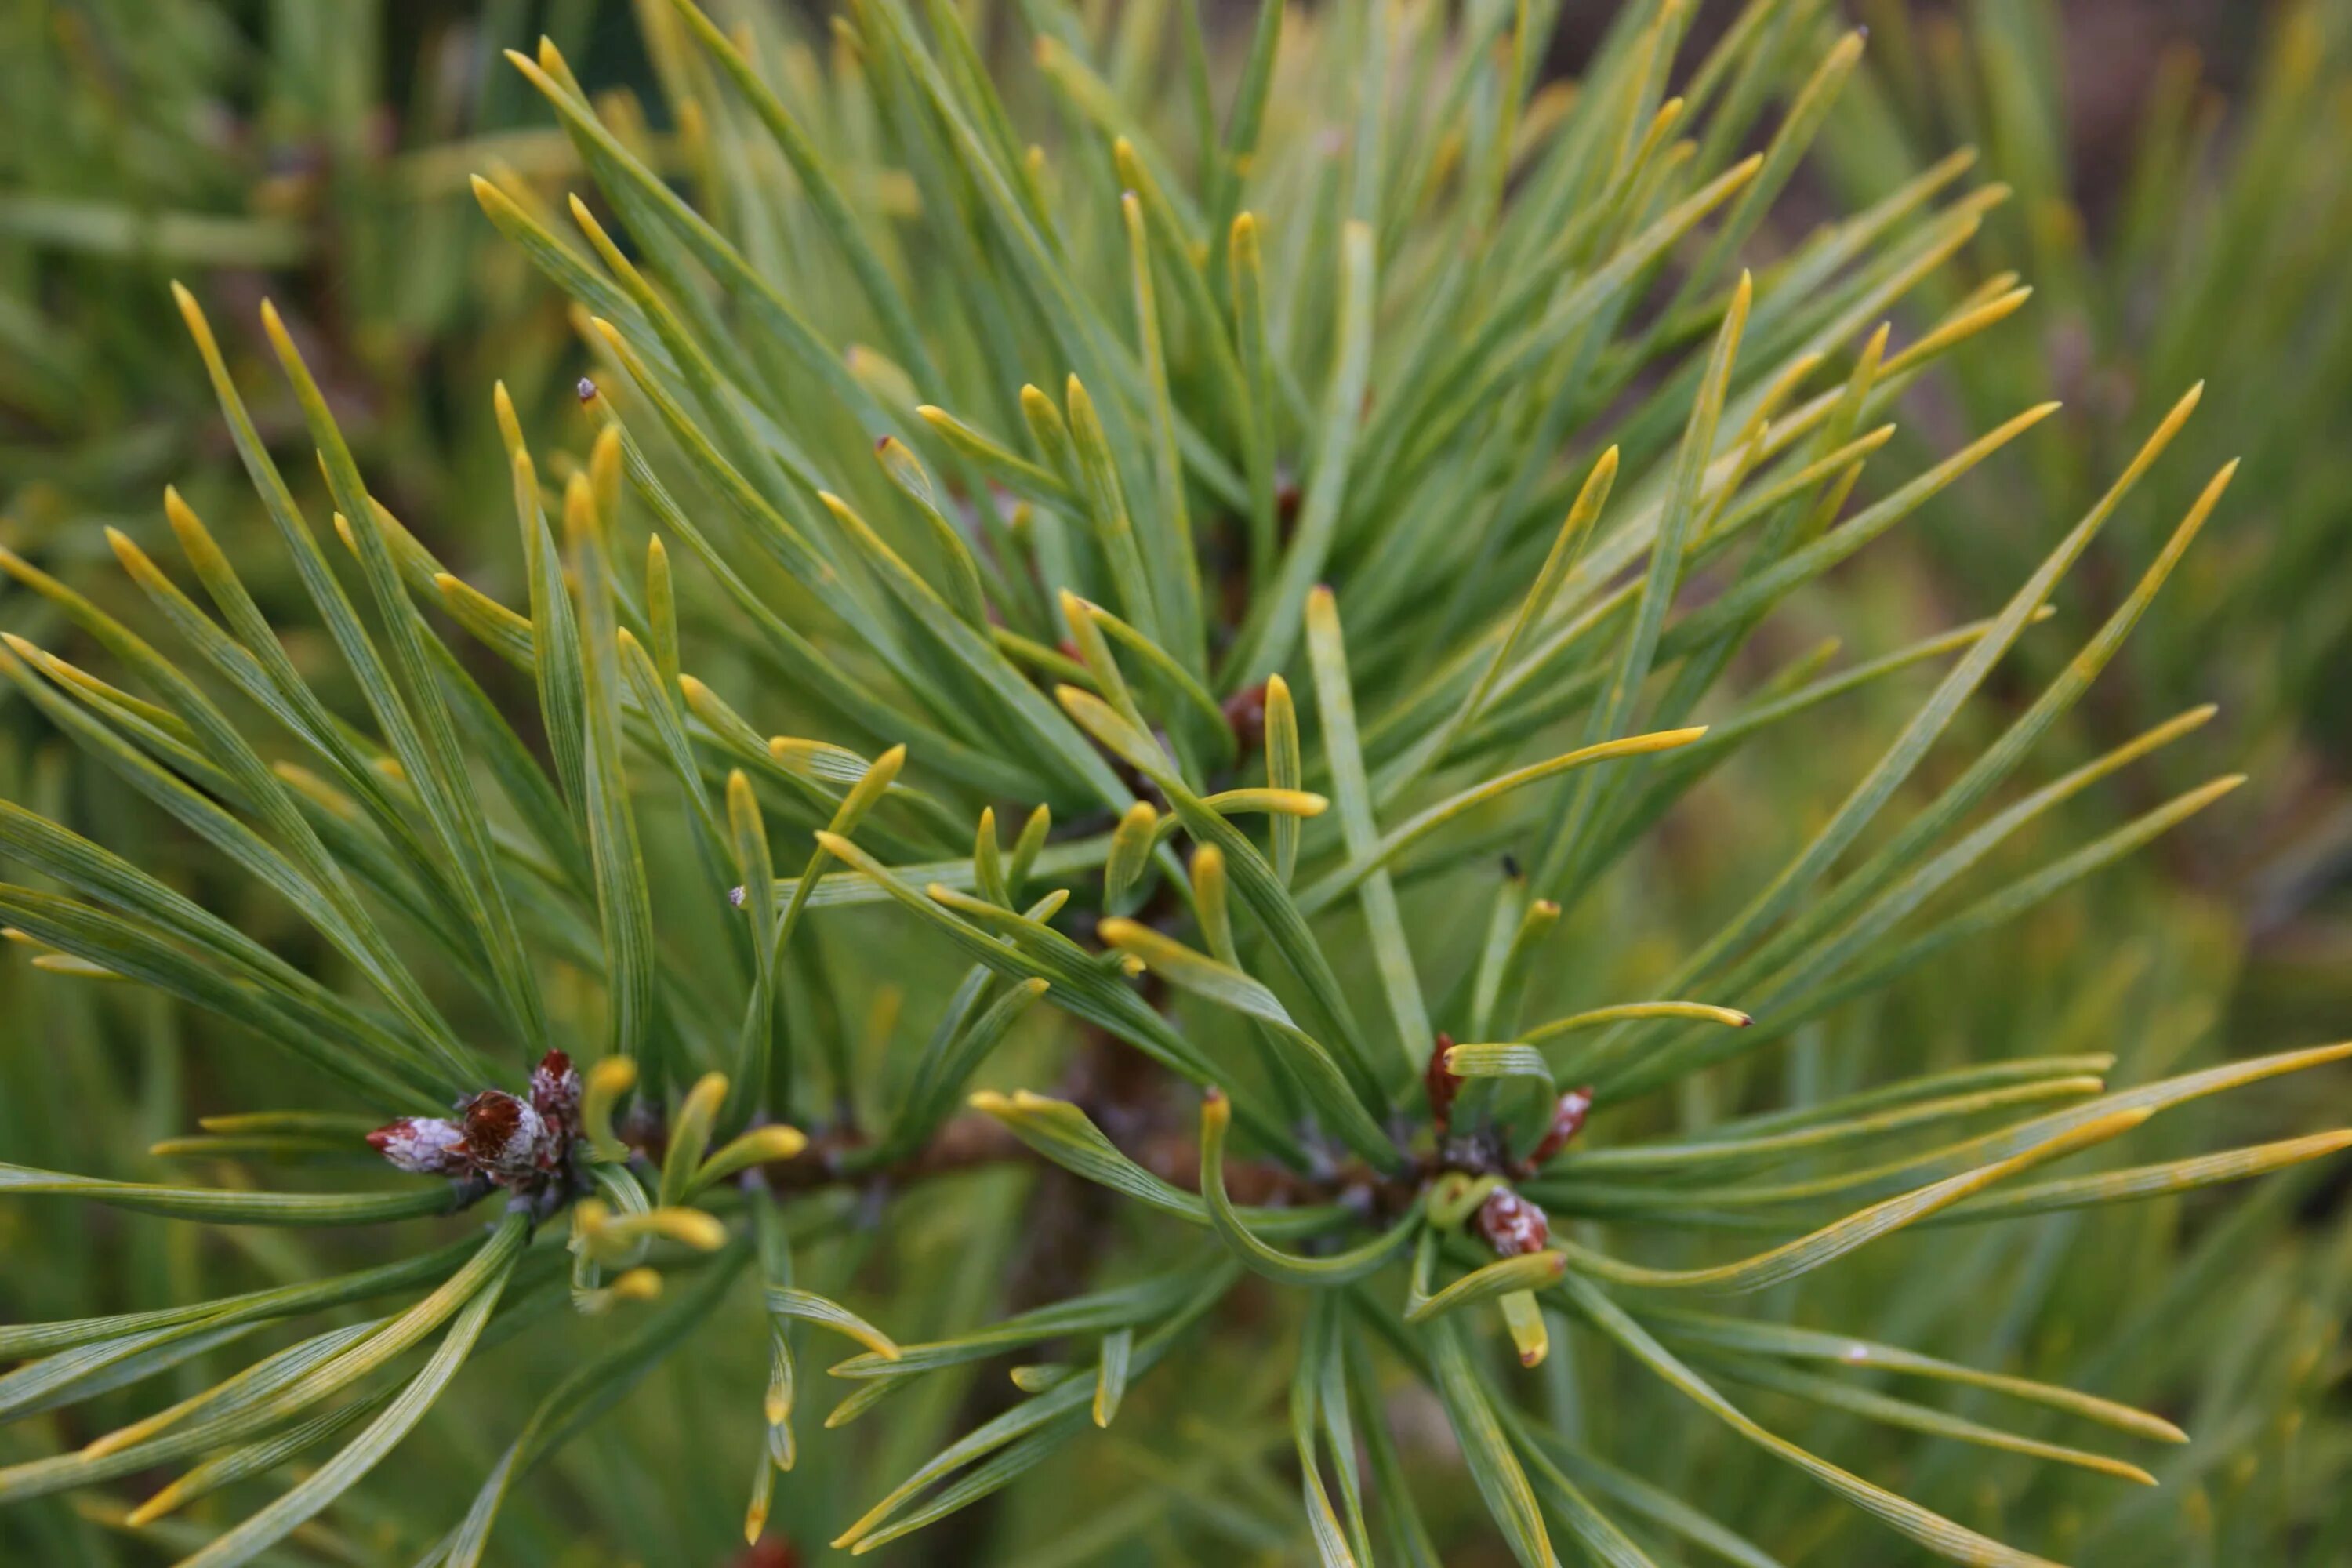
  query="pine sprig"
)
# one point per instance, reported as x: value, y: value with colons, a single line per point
x: 1389, y: 478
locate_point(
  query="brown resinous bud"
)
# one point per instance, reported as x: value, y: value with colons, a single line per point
x: 556, y: 1095
x: 1566, y: 1122
x: 513, y: 1141
x: 1511, y: 1224
x: 1245, y: 712
x: 505, y: 1136
x: 1441, y: 1084
x: 423, y: 1146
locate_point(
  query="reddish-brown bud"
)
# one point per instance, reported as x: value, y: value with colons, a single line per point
x: 505, y: 1136
x: 556, y: 1095
x: 423, y: 1146
x: 1246, y: 712
x: 769, y: 1551
x: 524, y: 1146
x: 1566, y: 1122
x: 1511, y: 1224
x: 1288, y: 496
x: 1441, y: 1083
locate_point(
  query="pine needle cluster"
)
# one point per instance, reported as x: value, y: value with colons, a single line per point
x: 1222, y: 579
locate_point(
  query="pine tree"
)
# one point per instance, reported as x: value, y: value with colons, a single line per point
x: 1214, y: 597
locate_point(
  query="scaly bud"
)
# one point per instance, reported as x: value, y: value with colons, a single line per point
x: 1566, y: 1122
x: 556, y: 1095
x: 1511, y: 1224
x: 1246, y: 712
x: 423, y: 1146
x: 505, y: 1136
x: 1441, y: 1083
